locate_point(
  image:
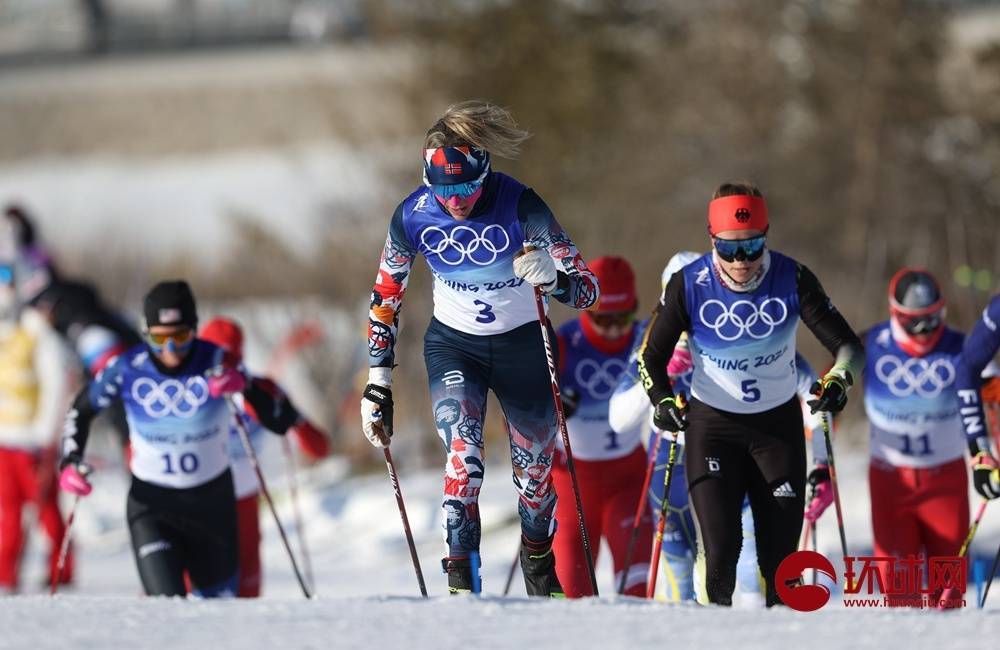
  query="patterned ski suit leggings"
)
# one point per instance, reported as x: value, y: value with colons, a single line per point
x: 461, y: 368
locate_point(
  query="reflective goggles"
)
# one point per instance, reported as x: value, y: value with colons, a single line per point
x: 610, y: 319
x: 922, y: 324
x: 731, y: 250
x: 179, y: 340
x: 461, y: 190
x: 6, y: 274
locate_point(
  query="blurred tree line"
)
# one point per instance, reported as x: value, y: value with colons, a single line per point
x: 834, y: 108
x: 837, y: 109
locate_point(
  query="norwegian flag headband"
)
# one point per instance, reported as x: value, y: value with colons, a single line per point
x: 454, y: 165
x: 738, y: 212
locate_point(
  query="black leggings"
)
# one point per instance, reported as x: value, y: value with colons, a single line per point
x: 761, y: 455
x: 178, y: 530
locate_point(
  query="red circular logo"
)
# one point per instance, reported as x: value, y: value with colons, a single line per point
x: 790, y: 587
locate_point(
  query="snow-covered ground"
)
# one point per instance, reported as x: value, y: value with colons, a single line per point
x: 368, y: 596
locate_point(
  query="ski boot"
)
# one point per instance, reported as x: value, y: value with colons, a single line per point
x: 538, y: 563
x: 459, y: 570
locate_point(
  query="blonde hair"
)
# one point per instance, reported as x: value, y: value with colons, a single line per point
x: 480, y: 124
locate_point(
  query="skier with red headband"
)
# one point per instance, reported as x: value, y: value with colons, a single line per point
x: 593, y: 355
x: 630, y: 408
x: 917, y: 475
x: 471, y: 224
x: 740, y: 306
x: 228, y: 335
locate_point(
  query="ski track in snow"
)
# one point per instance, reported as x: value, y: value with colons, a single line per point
x: 368, y: 596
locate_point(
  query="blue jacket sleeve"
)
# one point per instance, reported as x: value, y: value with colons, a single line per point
x: 979, y: 348
x: 91, y: 400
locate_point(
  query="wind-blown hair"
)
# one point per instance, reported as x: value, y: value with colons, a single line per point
x: 479, y: 124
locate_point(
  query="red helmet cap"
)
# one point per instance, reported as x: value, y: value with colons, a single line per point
x: 617, y: 281
x: 225, y: 333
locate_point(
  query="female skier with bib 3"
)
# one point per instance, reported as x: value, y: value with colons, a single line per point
x: 470, y: 222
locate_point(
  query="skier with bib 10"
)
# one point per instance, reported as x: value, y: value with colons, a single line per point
x: 181, y: 508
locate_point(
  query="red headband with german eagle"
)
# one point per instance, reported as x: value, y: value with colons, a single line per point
x: 737, y: 212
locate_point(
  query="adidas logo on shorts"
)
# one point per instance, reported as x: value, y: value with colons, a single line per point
x: 784, y: 491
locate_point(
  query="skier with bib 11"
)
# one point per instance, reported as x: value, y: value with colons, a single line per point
x: 917, y: 476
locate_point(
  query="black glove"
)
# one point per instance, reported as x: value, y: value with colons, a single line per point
x: 831, y: 393
x: 570, y: 400
x: 669, y: 414
x: 985, y: 476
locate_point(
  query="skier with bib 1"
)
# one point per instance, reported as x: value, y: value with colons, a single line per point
x: 181, y: 507
x: 593, y: 354
x: 741, y: 305
x: 470, y: 223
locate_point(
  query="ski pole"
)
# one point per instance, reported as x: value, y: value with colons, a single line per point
x: 654, y: 558
x: 64, y: 548
x: 83, y: 469
x: 833, y: 482
x: 989, y: 581
x: 512, y: 571
x: 561, y: 422
x: 815, y: 548
x: 951, y: 593
x: 300, y: 527
x: 804, y: 541
x: 394, y: 479
x: 252, y: 456
x: 639, y: 512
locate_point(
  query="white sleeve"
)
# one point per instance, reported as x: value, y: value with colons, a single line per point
x: 629, y: 409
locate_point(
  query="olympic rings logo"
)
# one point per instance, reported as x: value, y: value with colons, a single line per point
x: 600, y: 379
x: 465, y: 243
x: 925, y: 378
x: 170, y: 397
x: 743, y: 317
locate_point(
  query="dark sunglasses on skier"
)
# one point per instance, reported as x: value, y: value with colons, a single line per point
x: 731, y: 250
